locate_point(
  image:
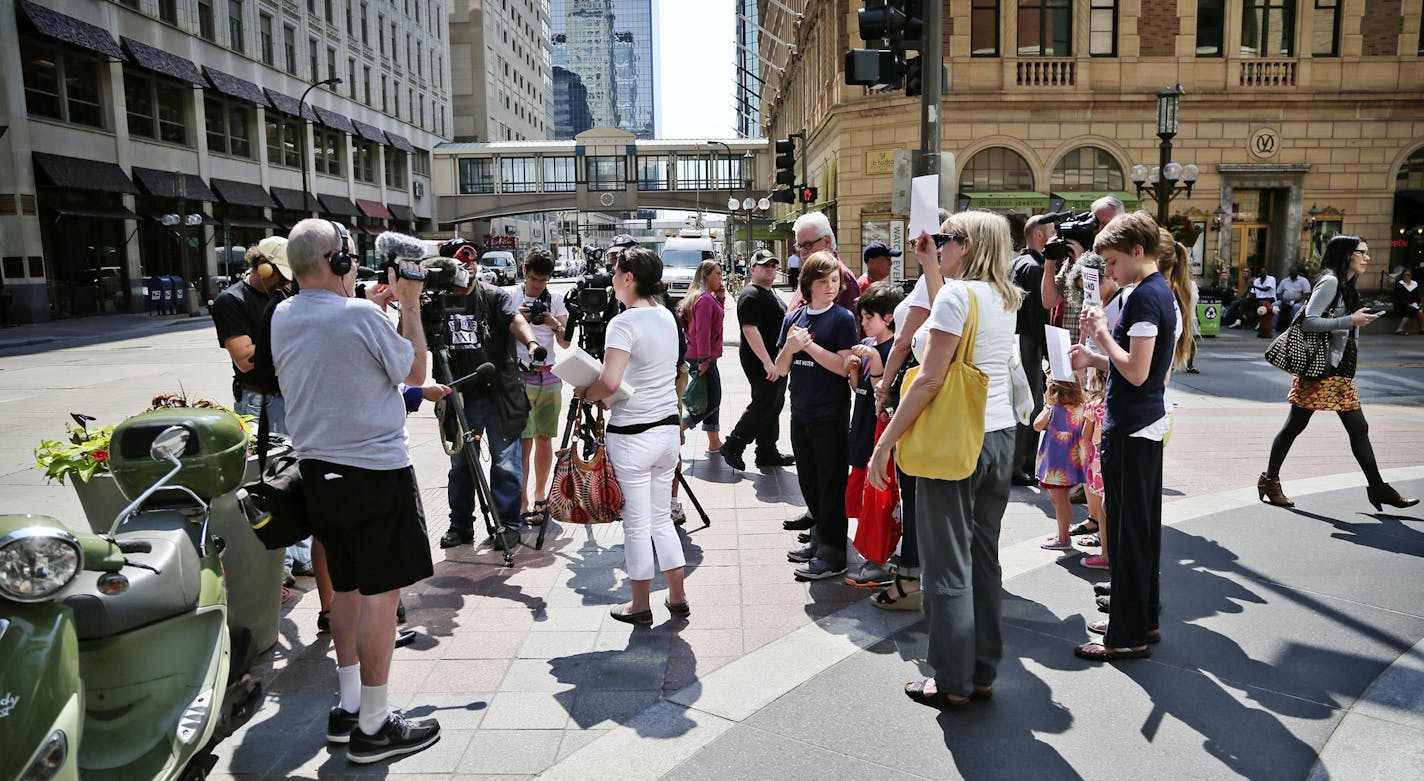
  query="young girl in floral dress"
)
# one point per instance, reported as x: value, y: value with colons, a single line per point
x: 1060, y: 454
x: 1095, y: 411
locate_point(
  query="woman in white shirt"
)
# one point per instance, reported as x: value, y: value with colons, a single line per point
x: 641, y: 349
x: 958, y: 520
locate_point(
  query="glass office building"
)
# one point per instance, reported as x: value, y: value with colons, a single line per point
x: 748, y: 70
x: 603, y: 66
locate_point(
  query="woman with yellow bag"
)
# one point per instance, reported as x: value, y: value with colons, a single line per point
x: 955, y: 429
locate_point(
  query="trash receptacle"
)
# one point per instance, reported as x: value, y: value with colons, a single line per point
x: 190, y: 301
x: 1209, y: 317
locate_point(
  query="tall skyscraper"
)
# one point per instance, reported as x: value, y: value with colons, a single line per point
x: 603, y: 66
x: 749, y: 76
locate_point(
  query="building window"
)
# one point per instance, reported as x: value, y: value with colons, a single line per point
x: 311, y: 59
x: 229, y: 126
x: 235, y: 40
x: 156, y: 107
x: 996, y: 169
x: 383, y: 92
x: 476, y: 175
x: 205, y: 20
x: 61, y: 84
x: 264, y: 36
x: 363, y: 161
x: 1211, y: 27
x: 1088, y: 168
x: 1102, y: 28
x: 1327, y: 29
x: 168, y: 11
x: 984, y: 28
x: 289, y: 42
x: 519, y: 175
x: 329, y: 16
x: 652, y: 173
x: 1268, y: 28
x: 330, y: 63
x: 365, y: 27
x: 395, y: 168
x: 350, y: 28
x: 420, y: 162
x: 330, y: 146
x: 284, y: 137
x: 366, y: 82
x: 381, y: 32
x: 1045, y: 28
x: 560, y: 175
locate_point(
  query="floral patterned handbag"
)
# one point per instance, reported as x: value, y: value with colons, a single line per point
x: 585, y: 490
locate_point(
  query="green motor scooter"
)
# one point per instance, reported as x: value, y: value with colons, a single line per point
x: 114, y: 648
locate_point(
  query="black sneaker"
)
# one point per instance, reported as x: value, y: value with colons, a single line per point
x: 732, y: 454
x: 799, y: 524
x: 340, y: 724
x: 774, y: 459
x: 399, y: 735
x: 456, y: 537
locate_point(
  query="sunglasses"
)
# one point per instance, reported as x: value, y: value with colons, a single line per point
x: 941, y: 239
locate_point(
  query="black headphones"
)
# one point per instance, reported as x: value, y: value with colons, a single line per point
x: 340, y: 259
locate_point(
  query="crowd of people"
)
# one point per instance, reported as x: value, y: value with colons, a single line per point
x: 867, y: 370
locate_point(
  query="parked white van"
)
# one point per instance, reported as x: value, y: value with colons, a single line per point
x: 681, y: 255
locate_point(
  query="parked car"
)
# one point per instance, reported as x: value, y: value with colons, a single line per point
x: 568, y: 267
x: 487, y: 276
x: 503, y: 264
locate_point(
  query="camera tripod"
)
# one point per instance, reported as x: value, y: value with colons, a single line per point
x: 467, y: 442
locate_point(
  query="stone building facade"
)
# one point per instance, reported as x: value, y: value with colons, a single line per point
x: 1305, y: 117
x: 160, y: 138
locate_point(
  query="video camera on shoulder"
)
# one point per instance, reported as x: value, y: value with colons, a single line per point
x: 1082, y: 227
x: 591, y: 306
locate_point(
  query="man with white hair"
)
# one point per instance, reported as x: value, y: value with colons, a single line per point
x: 341, y: 362
x: 813, y: 234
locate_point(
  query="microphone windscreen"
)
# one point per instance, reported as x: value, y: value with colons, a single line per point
x: 446, y: 265
x: 400, y: 245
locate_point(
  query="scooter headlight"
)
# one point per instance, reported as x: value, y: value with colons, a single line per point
x: 37, y: 562
x: 50, y: 760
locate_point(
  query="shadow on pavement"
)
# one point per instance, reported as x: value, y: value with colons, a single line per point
x: 618, y: 685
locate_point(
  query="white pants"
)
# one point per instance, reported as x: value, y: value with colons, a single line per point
x: 645, y: 464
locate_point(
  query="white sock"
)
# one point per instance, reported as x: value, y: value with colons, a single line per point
x: 374, y: 709
x: 349, y: 679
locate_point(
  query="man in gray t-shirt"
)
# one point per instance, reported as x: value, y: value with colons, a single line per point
x: 340, y: 361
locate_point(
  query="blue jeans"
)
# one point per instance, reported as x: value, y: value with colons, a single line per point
x: 711, y: 419
x: 506, y: 472
x: 251, y: 404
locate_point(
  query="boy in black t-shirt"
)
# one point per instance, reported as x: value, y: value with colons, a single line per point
x: 876, y: 310
x: 815, y: 351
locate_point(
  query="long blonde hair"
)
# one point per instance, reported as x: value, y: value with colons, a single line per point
x: 1175, y: 265
x: 991, y: 252
x: 696, y: 289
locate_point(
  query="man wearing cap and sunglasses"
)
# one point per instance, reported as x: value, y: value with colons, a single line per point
x: 876, y: 258
x: 760, y: 313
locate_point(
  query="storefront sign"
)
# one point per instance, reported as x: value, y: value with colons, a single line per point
x: 880, y: 161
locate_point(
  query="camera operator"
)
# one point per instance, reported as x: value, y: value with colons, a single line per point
x: 1057, y: 289
x: 549, y: 317
x: 341, y: 361
x: 1028, y: 272
x: 484, y: 327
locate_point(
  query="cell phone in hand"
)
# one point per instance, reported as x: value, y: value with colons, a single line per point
x: 1377, y: 313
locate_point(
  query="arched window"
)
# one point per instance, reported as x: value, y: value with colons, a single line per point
x: 1088, y: 168
x: 1411, y: 174
x: 997, y: 169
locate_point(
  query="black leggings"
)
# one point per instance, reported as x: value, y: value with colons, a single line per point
x: 1355, y: 425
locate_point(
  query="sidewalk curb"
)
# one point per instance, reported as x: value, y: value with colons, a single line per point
x: 143, y: 329
x: 733, y: 693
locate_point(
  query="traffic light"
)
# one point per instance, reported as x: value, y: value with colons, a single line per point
x: 808, y: 194
x: 890, y: 28
x: 867, y: 67
x: 785, y: 171
x: 913, y: 73
x: 881, y: 20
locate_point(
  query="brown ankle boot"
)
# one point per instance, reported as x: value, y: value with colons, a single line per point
x: 1384, y: 494
x: 1269, y: 490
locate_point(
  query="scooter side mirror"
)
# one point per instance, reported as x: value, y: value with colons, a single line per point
x: 169, y: 443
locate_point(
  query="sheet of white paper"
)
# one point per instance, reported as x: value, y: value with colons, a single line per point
x: 1058, y: 362
x: 580, y: 370
x: 924, y: 206
x: 1091, y: 294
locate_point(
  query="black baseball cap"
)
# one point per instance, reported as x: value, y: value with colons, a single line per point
x: 761, y: 258
x: 876, y: 249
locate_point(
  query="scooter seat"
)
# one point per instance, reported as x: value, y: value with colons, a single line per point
x: 150, y: 597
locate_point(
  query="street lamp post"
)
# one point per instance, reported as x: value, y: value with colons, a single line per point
x: 752, y: 207
x: 1167, y: 175
x: 302, y: 117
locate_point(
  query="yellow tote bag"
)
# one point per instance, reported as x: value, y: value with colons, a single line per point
x: 944, y: 441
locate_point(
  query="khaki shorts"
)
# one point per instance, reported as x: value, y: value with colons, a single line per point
x: 545, y: 403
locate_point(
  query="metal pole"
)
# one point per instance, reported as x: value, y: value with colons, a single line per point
x: 1164, y: 188
x: 931, y: 102
x: 302, y: 118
